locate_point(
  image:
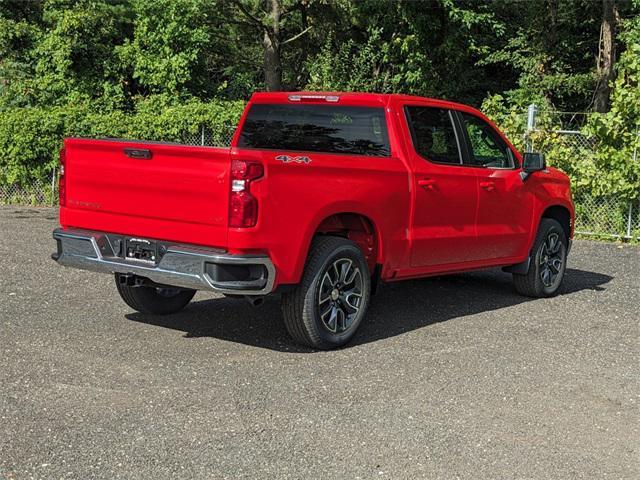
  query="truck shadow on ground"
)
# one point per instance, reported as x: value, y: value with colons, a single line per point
x: 397, y: 308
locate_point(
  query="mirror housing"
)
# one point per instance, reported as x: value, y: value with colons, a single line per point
x: 533, y: 162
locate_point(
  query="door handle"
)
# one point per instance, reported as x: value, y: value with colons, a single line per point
x: 427, y: 183
x: 488, y: 186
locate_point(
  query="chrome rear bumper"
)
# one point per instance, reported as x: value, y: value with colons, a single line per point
x: 185, y: 266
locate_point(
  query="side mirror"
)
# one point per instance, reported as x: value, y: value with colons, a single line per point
x: 533, y: 162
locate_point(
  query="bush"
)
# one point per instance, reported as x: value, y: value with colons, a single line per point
x: 30, y: 138
x: 605, y: 164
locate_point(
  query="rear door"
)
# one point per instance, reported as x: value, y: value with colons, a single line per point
x: 446, y: 196
x: 505, y: 204
x: 148, y: 188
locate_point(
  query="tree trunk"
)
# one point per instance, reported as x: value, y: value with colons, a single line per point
x: 606, y: 56
x: 552, y: 37
x: 271, y: 43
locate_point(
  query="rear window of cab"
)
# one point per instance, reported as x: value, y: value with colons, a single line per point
x: 316, y: 128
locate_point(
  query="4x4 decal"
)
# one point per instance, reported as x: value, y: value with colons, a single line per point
x: 289, y: 159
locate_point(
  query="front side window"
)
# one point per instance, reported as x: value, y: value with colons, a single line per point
x: 488, y: 149
x: 317, y: 128
x: 433, y: 134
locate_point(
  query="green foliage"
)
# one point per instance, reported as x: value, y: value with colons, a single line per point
x: 30, y: 138
x: 156, y: 69
x: 616, y: 166
x: 396, y: 47
x: 548, y: 49
x: 66, y: 55
x: 166, y: 53
x: 610, y: 165
x: 55, y: 52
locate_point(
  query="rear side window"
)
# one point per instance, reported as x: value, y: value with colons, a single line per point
x: 433, y: 134
x: 316, y: 128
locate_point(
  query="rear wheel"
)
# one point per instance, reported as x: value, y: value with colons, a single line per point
x: 548, y: 262
x: 154, y: 300
x: 326, y: 308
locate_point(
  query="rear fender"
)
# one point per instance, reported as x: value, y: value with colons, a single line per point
x: 336, y: 209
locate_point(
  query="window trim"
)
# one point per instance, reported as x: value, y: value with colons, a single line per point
x: 455, y: 132
x: 469, y: 147
x: 449, y: 111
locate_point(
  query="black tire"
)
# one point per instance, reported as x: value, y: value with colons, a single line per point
x: 548, y: 262
x: 326, y: 308
x: 152, y: 300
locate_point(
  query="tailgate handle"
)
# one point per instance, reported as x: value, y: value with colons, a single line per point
x: 138, y: 153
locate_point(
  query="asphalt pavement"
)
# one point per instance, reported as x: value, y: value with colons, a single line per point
x: 450, y: 377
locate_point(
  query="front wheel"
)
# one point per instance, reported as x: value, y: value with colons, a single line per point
x: 548, y: 262
x: 154, y: 300
x: 326, y: 308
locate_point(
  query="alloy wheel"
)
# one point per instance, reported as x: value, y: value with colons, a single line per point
x: 340, y: 295
x: 551, y: 259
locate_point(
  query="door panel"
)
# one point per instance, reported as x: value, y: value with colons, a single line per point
x: 505, y: 206
x: 446, y: 192
x: 504, y: 214
x: 443, y: 227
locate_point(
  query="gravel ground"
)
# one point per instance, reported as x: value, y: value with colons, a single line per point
x: 453, y: 377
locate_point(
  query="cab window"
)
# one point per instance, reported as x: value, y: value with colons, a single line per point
x: 433, y: 134
x: 487, y: 148
x: 317, y: 128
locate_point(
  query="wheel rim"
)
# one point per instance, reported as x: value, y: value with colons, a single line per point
x: 551, y: 259
x: 340, y: 295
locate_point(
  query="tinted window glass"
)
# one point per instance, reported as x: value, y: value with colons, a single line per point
x: 317, y: 128
x: 487, y: 147
x: 433, y: 134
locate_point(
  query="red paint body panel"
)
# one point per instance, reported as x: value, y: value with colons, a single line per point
x: 428, y: 218
x: 181, y: 193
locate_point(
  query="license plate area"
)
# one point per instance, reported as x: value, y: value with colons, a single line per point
x: 141, y: 250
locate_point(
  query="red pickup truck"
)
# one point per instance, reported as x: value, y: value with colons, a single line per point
x: 319, y: 197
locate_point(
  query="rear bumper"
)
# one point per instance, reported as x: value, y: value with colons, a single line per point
x: 186, y: 266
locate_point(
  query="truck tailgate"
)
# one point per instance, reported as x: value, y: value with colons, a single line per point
x: 169, y: 191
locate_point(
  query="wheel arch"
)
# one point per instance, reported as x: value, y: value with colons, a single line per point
x: 562, y: 215
x: 355, y: 226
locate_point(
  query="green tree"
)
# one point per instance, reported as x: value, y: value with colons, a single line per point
x: 276, y: 24
x: 74, y: 57
x: 18, y: 37
x: 407, y: 47
x: 167, y: 51
x: 615, y: 170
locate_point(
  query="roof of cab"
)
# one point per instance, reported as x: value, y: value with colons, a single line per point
x: 353, y: 98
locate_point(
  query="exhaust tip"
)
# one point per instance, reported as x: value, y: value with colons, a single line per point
x: 255, y: 301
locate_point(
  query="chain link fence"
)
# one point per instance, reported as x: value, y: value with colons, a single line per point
x: 561, y: 133
x: 597, y: 216
x: 206, y: 137
x: 38, y: 192
x: 607, y: 217
x: 43, y: 192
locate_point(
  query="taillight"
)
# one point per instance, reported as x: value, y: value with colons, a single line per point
x: 243, y: 207
x: 62, y: 181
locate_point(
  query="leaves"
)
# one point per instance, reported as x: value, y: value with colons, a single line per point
x: 30, y: 138
x: 152, y: 68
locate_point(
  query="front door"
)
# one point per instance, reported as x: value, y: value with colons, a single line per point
x: 505, y: 204
x: 446, y: 191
